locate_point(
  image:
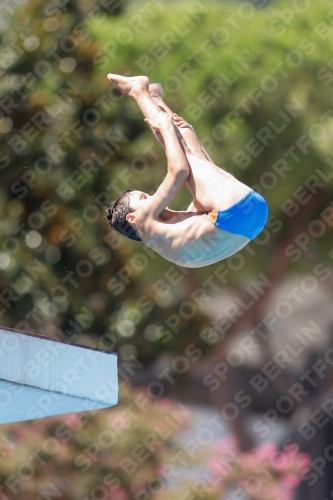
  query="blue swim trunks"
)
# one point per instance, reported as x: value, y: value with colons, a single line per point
x: 247, y: 217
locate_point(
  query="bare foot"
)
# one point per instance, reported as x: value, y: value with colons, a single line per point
x: 156, y: 91
x: 129, y: 85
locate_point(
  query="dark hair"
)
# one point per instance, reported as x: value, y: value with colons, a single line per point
x: 116, y: 216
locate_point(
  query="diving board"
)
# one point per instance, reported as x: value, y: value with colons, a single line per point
x: 41, y: 377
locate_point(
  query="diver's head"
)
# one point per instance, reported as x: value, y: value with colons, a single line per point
x: 121, y: 213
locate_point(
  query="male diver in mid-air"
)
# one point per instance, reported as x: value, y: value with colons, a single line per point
x: 224, y: 215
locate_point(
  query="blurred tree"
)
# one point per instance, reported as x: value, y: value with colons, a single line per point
x: 132, y: 451
x: 256, y: 87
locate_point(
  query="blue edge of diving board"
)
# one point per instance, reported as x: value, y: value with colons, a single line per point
x: 41, y: 377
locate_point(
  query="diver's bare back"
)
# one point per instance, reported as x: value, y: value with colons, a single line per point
x: 189, y: 239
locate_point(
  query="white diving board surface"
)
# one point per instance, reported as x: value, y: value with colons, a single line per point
x: 41, y: 377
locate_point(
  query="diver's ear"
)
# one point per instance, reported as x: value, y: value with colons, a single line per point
x: 130, y: 218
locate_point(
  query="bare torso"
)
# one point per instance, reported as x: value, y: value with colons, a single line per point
x: 189, y: 239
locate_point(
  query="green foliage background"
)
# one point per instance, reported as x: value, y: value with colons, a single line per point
x: 55, y: 61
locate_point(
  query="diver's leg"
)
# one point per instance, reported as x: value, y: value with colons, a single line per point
x: 213, y: 187
x: 210, y: 186
x: 191, y: 139
x: 137, y: 88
